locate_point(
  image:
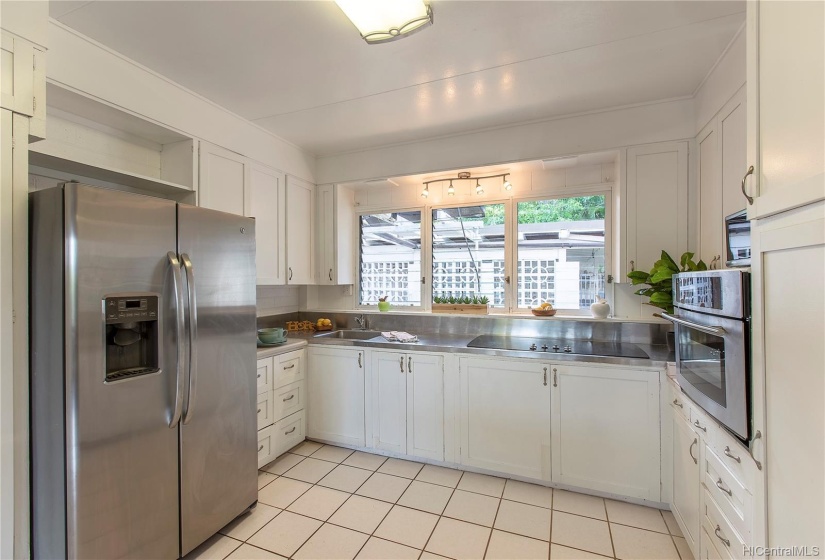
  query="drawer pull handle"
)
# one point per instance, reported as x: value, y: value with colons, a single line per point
x: 698, y: 425
x: 690, y: 451
x: 290, y: 397
x: 259, y: 376
x: 555, y: 378
x: 718, y: 533
x: 545, y: 377
x: 290, y: 431
x: 677, y: 403
x: 731, y: 455
x: 260, y: 448
x: 259, y: 411
x: 290, y: 366
x: 721, y: 487
x: 359, y: 360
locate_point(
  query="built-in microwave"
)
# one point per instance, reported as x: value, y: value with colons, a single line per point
x: 738, y: 239
x: 712, y: 321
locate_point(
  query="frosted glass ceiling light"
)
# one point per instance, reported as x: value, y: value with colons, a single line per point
x: 451, y: 189
x: 380, y: 21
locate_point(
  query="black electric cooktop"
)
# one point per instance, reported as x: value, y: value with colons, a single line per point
x: 559, y: 346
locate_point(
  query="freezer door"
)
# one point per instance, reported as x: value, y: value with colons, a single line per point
x: 219, y: 428
x: 120, y: 453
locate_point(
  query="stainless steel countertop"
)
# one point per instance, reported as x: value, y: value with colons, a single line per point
x: 439, y: 342
x: 292, y: 343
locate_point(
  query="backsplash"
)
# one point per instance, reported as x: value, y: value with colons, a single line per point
x: 274, y: 300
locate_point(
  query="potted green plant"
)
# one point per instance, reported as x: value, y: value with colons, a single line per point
x: 659, y: 279
x: 383, y: 304
x: 466, y: 304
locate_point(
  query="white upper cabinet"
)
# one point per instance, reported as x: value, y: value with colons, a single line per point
x: 232, y: 183
x: 786, y: 86
x: 505, y: 416
x: 605, y: 428
x: 336, y: 235
x: 657, y: 210
x: 265, y: 200
x: 721, y: 158
x: 223, y: 176
x: 300, y: 211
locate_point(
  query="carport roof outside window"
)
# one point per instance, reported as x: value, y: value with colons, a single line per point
x: 380, y: 21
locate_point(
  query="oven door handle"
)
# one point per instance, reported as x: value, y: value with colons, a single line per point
x: 718, y: 331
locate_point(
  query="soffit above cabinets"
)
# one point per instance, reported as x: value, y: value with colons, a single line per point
x: 301, y: 70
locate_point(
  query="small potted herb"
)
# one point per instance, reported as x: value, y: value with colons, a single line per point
x: 383, y: 304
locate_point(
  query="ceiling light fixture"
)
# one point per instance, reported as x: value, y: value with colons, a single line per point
x: 426, y: 192
x: 479, y: 188
x: 451, y: 189
x: 508, y: 186
x: 380, y: 21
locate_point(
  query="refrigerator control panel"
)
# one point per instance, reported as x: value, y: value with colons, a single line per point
x: 130, y: 309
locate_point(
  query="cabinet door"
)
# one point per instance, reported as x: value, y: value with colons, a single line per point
x: 335, y: 395
x: 657, y: 177
x: 266, y: 202
x: 505, y: 416
x: 17, y: 84
x: 786, y: 86
x: 733, y: 153
x: 336, y: 219
x: 325, y: 200
x: 687, y: 484
x: 425, y: 406
x: 222, y: 179
x: 711, y: 230
x: 389, y: 401
x: 300, y: 208
x: 606, y: 429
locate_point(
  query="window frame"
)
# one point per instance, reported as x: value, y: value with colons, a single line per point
x: 593, y: 190
x: 424, y: 251
x: 606, y: 189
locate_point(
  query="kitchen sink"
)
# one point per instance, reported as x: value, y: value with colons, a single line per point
x: 352, y: 334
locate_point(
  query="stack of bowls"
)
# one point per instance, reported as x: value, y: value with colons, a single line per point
x: 273, y: 335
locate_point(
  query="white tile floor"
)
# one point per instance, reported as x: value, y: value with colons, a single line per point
x: 320, y: 502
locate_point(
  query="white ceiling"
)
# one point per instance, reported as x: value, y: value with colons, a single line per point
x: 300, y: 69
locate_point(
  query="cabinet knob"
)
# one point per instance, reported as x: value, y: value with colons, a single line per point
x: 701, y: 427
x: 677, y: 403
x: 260, y: 448
x: 632, y: 266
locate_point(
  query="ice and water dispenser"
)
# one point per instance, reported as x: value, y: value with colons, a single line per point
x: 132, y: 335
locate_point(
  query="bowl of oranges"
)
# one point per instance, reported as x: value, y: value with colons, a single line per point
x: 544, y: 310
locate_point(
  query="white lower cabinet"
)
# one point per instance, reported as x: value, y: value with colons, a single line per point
x: 407, y: 403
x: 505, y: 416
x: 281, y: 403
x: 335, y: 391
x: 686, y: 481
x: 605, y: 427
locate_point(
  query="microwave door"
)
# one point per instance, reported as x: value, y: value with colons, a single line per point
x: 713, y: 368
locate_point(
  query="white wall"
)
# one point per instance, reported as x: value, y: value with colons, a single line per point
x: 273, y: 300
x: 81, y: 64
x: 594, y: 132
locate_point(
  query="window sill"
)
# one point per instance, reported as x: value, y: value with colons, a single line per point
x: 558, y: 316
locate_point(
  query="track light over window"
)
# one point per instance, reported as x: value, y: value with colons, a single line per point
x: 451, y: 189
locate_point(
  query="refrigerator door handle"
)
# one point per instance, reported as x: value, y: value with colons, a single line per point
x: 189, y: 406
x: 179, y: 333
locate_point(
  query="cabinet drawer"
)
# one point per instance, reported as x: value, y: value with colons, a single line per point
x: 264, y: 375
x: 730, y: 495
x: 265, y: 447
x: 736, y: 458
x: 289, y: 399
x: 702, y: 423
x: 289, y: 368
x: 719, y: 530
x: 679, y: 402
x: 708, y: 549
x: 265, y: 417
x: 289, y: 432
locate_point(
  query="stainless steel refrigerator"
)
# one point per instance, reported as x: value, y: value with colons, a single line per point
x: 143, y: 420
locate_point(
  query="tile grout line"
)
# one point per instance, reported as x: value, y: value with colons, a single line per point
x: 424, y: 548
x: 495, y: 517
x: 609, y: 530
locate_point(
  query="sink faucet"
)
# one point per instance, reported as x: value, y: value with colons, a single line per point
x: 361, y: 321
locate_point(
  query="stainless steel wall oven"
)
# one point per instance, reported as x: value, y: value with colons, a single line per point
x: 712, y: 321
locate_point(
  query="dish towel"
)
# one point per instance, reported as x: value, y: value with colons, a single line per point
x: 399, y: 336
